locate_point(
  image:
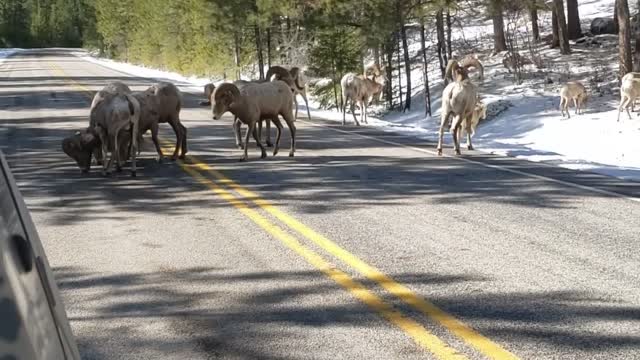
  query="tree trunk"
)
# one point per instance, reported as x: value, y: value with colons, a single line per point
x: 425, y: 71
x: 236, y: 58
x: 397, y: 41
x: 441, y: 46
x: 636, y: 56
x: 533, y: 14
x: 376, y: 55
x: 624, y: 36
x: 573, y: 20
x: 449, y: 49
x: 389, y: 87
x: 268, y: 47
x: 259, y: 51
x: 555, y: 39
x: 407, y: 59
x: 499, y: 41
x: 563, y: 34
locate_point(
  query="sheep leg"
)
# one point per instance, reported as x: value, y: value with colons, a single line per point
x: 256, y: 137
x: 154, y: 138
x: 178, y: 133
x: 288, y: 118
x: 364, y: 110
x: 252, y: 128
x: 562, y: 106
x: 454, y: 133
x: 278, y: 125
x: 468, y: 130
x: 344, y: 110
x: 575, y: 103
x: 353, y: 112
x: 295, y: 103
x: 444, y: 118
x: 183, y: 148
x: 105, y: 150
x: 238, y: 133
x: 306, y: 103
x: 269, y: 143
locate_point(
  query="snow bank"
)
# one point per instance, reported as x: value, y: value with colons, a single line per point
x: 6, y: 52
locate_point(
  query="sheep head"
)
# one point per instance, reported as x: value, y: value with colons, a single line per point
x: 80, y: 147
x: 460, y: 73
x: 224, y: 97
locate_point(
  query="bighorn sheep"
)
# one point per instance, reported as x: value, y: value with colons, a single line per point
x: 572, y: 90
x: 169, y: 104
x: 208, y: 91
x: 629, y: 92
x: 299, y: 81
x: 376, y: 73
x: 84, y: 144
x: 254, y: 102
x: 358, y: 89
x: 467, y: 62
x: 122, y: 112
x: 458, y: 100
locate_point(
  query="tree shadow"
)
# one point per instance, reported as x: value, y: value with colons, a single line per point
x: 262, y: 318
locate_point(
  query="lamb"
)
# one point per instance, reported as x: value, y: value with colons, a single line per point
x: 629, y: 92
x: 358, y: 89
x: 254, y: 102
x: 121, y: 112
x: 208, y: 91
x: 572, y: 90
x: 299, y: 81
x: 458, y: 99
x: 469, y: 61
x: 469, y: 125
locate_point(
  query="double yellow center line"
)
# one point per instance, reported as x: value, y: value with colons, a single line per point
x: 253, y: 206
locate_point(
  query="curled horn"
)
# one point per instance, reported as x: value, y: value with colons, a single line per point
x: 226, y: 89
x: 208, y: 90
x: 281, y: 74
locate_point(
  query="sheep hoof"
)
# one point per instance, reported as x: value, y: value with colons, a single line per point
x: 174, y: 158
x: 291, y: 154
x: 439, y: 152
x: 243, y: 159
x: 264, y: 155
x: 182, y: 157
x: 470, y: 147
x: 269, y: 144
x: 458, y: 152
x: 133, y: 174
x: 275, y: 152
x: 118, y: 169
x: 160, y: 159
x: 240, y: 146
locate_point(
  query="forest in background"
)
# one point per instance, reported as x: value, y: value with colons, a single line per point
x: 222, y: 38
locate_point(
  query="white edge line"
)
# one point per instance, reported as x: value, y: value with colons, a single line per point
x: 497, y: 167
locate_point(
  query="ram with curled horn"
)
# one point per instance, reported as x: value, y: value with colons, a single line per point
x: 253, y: 103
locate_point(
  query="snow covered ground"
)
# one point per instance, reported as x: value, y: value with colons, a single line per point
x: 4, y: 53
x: 524, y: 120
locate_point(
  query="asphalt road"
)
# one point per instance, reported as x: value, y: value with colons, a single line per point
x: 364, y: 246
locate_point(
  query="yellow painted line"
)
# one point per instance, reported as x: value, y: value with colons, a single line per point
x: 416, y: 331
x: 463, y: 331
